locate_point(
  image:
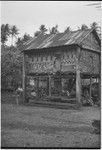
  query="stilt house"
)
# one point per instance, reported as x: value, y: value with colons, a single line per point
x: 55, y: 65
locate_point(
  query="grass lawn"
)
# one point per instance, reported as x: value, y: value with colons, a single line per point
x: 32, y: 126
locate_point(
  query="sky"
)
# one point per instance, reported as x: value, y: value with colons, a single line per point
x: 29, y: 15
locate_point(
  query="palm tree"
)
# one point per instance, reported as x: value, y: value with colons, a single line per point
x: 19, y: 42
x: 68, y: 29
x: 26, y: 37
x: 43, y: 29
x: 84, y: 27
x: 54, y: 30
x: 7, y: 29
x: 14, y: 33
x: 3, y: 35
x: 37, y: 33
x: 5, y: 32
x: 94, y: 25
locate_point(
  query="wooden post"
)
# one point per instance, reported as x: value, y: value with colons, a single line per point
x: 99, y: 79
x: 49, y: 86
x: 23, y: 77
x: 99, y: 82
x: 78, y: 87
x: 90, y: 86
x: 61, y: 87
x: 78, y: 79
x: 90, y: 93
x: 37, y: 87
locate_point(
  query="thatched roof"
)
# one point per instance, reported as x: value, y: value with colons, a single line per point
x: 60, y: 39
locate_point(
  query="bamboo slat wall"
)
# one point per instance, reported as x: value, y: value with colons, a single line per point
x: 89, y: 62
x: 48, y: 63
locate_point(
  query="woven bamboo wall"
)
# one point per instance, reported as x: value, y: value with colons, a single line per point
x: 89, y: 62
x: 49, y: 63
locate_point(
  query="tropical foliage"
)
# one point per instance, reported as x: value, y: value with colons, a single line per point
x: 84, y: 27
x: 8, y: 31
x: 68, y: 29
x: 11, y: 67
x: 20, y: 41
x: 13, y: 32
x: 5, y: 32
x: 54, y: 30
x: 42, y: 30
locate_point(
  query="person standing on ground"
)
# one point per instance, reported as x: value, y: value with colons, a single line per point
x: 19, y: 91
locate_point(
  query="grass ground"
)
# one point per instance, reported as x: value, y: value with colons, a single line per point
x: 32, y: 126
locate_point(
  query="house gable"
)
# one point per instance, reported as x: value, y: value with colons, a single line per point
x: 92, y: 41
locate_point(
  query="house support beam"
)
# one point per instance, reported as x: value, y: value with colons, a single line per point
x: 61, y: 86
x: 90, y: 92
x: 100, y: 79
x: 78, y: 79
x: 37, y: 84
x: 90, y: 87
x: 78, y: 87
x: 23, y: 78
x: 49, y: 86
x: 99, y: 83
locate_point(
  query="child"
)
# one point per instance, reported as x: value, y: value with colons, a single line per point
x: 19, y: 91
